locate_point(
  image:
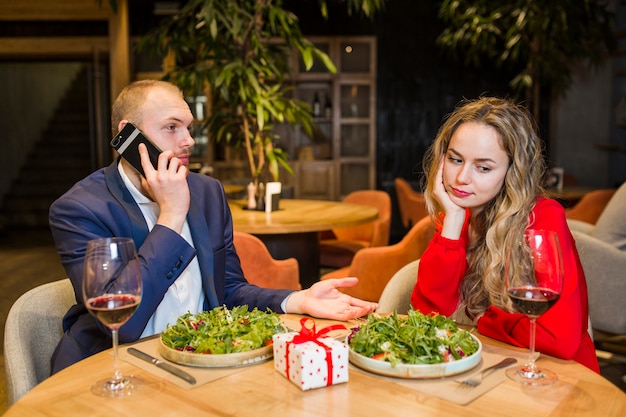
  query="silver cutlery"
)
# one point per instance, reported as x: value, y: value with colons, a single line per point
x: 477, y: 379
x: 163, y: 365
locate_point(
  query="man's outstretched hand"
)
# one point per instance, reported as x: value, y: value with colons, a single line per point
x: 324, y: 300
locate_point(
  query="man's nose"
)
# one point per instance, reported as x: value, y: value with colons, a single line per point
x: 188, y: 140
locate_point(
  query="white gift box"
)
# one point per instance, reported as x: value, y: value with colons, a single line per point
x: 311, y: 364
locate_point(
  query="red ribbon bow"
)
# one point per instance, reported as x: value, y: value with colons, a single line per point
x: 308, y: 334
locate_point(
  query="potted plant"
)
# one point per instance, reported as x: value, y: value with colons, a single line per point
x: 543, y: 40
x: 242, y: 53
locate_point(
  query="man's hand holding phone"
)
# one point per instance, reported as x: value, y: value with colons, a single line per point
x: 126, y: 141
x: 167, y: 186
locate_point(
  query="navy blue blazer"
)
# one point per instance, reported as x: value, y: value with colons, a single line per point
x: 101, y: 206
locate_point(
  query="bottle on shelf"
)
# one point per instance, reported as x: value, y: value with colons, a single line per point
x: 328, y: 108
x: 317, y: 106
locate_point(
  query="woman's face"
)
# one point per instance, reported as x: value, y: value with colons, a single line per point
x: 475, y: 166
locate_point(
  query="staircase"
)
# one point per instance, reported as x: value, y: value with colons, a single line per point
x: 57, y: 161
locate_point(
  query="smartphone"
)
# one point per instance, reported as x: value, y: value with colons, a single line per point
x: 127, y: 141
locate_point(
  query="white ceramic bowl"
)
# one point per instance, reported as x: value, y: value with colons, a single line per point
x: 205, y: 360
x: 436, y: 370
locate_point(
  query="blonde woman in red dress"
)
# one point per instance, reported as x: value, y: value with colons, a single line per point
x: 485, y: 173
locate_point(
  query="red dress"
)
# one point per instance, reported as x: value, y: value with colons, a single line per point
x: 561, y: 331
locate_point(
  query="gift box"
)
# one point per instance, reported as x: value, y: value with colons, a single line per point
x: 309, y: 359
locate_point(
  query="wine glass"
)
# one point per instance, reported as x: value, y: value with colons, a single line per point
x: 112, y: 292
x: 533, y: 289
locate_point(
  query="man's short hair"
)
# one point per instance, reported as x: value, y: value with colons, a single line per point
x: 129, y: 103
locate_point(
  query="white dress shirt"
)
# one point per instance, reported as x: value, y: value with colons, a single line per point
x: 185, y: 294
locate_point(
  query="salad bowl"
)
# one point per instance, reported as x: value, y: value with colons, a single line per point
x: 413, y: 345
x: 221, y: 337
x: 401, y: 370
x: 206, y: 360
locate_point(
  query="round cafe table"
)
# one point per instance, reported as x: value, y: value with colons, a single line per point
x: 259, y: 390
x: 292, y: 231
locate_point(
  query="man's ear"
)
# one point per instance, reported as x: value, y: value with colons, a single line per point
x: 121, y: 125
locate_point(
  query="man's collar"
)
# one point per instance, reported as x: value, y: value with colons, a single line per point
x: 137, y: 195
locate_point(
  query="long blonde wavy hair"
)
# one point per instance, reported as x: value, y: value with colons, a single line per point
x: 503, y: 221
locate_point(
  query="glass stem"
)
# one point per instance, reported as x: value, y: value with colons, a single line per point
x: 117, y: 375
x: 531, y: 359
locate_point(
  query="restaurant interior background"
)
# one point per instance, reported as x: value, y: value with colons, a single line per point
x: 416, y: 86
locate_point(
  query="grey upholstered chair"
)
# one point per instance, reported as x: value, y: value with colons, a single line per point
x: 397, y: 293
x: 604, y: 266
x: 602, y: 250
x: 31, y: 333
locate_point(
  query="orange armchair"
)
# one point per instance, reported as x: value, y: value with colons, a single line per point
x: 260, y: 268
x: 589, y: 208
x: 374, y: 267
x: 411, y: 204
x: 338, y: 250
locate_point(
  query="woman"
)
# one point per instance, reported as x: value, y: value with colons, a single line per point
x: 484, y: 174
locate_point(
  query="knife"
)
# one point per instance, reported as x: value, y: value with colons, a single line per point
x: 163, y: 365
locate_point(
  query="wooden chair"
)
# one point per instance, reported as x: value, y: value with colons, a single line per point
x: 261, y: 269
x: 338, y: 249
x: 374, y: 267
x: 32, y: 331
x: 411, y: 204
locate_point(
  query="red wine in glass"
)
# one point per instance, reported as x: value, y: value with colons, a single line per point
x: 534, y: 281
x: 113, y: 310
x: 112, y: 291
x: 533, y: 301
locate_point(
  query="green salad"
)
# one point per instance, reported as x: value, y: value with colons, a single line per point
x: 412, y: 339
x: 222, y: 330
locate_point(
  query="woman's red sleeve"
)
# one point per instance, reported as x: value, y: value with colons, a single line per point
x: 441, y: 270
x: 562, y: 330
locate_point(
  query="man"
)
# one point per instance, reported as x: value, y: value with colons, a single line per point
x: 183, y: 231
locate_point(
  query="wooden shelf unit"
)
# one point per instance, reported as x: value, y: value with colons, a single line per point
x: 341, y: 155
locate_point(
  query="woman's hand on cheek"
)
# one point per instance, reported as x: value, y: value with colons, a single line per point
x: 454, y: 215
x: 442, y: 194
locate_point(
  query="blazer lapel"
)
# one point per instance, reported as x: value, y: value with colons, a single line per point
x: 121, y: 193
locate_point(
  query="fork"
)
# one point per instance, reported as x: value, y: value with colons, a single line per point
x: 477, y: 379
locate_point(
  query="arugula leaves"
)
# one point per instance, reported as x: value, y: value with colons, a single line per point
x: 221, y: 330
x: 412, y: 339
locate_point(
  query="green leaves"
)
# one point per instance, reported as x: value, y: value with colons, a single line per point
x: 241, y: 51
x: 412, y: 339
x: 222, y: 331
x: 366, y: 7
x: 540, y: 39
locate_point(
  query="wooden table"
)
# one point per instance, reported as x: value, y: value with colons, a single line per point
x: 292, y: 231
x: 259, y: 390
x: 231, y: 189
